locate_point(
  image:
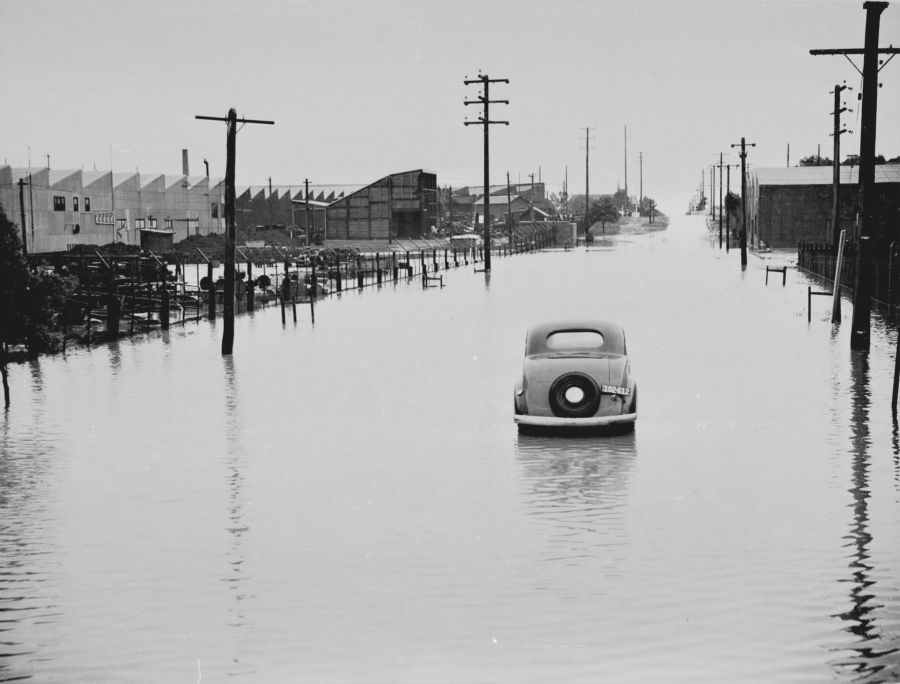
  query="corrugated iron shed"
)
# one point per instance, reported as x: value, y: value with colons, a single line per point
x: 822, y: 175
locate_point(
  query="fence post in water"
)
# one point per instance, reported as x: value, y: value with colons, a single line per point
x: 359, y: 272
x: 285, y: 291
x: 312, y: 295
x: 211, y: 292
x: 424, y: 276
x: 113, y: 309
x: 164, y: 307
x: 836, y: 287
x: 250, y: 285
x: 378, y: 267
x: 394, y: 265
x: 446, y: 261
x: 434, y: 259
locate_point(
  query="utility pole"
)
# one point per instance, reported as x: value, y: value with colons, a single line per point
x: 309, y: 228
x: 728, y: 168
x: 587, y: 184
x: 22, y: 213
x: 702, y: 183
x: 868, y: 224
x: 230, y: 228
x: 720, y: 200
x: 626, y: 169
x: 641, y: 186
x: 712, y: 190
x: 788, y: 155
x: 508, y: 210
x: 270, y: 202
x: 484, y: 99
x: 836, y: 165
x: 743, y: 145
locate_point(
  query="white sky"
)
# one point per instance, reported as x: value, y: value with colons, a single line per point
x: 361, y: 89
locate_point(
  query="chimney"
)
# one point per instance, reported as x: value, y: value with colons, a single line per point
x: 184, y: 163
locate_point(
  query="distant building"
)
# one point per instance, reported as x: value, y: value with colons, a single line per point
x: 401, y: 205
x: 64, y: 208
x: 793, y: 204
x: 68, y: 207
x: 525, y: 201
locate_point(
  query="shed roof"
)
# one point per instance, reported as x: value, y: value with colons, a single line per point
x: 822, y: 175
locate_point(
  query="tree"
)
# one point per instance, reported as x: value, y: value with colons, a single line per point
x: 815, y: 160
x: 603, y: 212
x: 28, y: 301
x: 13, y: 294
x: 853, y: 160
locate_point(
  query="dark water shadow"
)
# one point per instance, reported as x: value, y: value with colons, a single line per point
x: 874, y: 656
x: 26, y: 594
x: 236, y: 578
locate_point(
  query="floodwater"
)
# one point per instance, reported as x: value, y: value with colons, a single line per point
x: 350, y: 502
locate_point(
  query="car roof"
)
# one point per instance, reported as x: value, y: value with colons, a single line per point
x: 613, y: 334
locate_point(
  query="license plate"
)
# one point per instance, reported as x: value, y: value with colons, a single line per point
x: 612, y: 389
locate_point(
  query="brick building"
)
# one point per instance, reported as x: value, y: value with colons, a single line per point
x: 793, y: 204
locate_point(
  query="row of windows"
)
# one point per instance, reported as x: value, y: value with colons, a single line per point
x: 59, y: 203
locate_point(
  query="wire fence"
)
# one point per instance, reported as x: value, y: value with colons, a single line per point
x: 130, y: 294
x: 821, y: 260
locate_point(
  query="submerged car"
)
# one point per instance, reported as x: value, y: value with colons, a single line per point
x: 576, y: 374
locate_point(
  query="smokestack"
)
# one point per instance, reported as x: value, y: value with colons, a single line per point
x: 184, y: 163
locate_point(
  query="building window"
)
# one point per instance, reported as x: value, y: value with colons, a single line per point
x: 152, y: 222
x: 214, y: 210
x: 87, y: 203
x: 74, y: 204
x: 139, y: 224
x: 169, y: 224
x: 59, y: 203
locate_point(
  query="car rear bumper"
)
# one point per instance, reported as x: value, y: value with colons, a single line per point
x: 593, y: 421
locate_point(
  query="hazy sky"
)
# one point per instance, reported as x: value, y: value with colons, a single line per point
x: 362, y: 89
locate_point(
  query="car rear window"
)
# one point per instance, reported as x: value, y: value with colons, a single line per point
x: 570, y: 340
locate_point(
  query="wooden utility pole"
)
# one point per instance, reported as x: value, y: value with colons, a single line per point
x: 626, y: 169
x: 22, y: 213
x: 836, y: 164
x: 743, y: 145
x: 868, y: 225
x: 720, y: 199
x: 508, y: 211
x: 309, y: 227
x: 587, y: 181
x: 728, y: 168
x: 230, y: 228
x: 641, y: 186
x: 484, y: 99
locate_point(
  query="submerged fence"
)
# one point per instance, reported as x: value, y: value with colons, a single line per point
x: 821, y: 259
x: 129, y: 294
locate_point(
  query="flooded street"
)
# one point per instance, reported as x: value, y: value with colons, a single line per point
x: 351, y: 502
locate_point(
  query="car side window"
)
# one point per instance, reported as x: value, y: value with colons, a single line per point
x: 567, y: 340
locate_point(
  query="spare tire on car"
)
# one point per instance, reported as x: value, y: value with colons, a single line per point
x: 574, y: 395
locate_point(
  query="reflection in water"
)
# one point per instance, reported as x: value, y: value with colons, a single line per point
x: 895, y: 443
x: 25, y: 594
x: 237, y: 528
x: 578, y: 486
x: 865, y: 660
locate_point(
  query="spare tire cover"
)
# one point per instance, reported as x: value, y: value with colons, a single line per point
x: 563, y: 406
